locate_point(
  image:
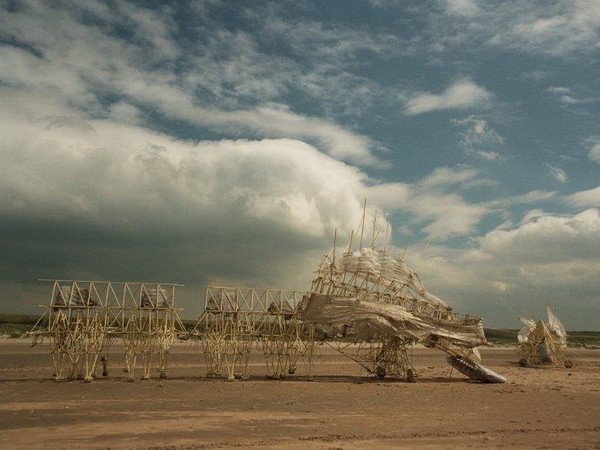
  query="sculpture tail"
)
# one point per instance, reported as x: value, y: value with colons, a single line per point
x: 475, y: 371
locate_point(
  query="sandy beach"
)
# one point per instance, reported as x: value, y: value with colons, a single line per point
x: 343, y: 408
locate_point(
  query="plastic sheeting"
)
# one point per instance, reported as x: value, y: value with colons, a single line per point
x: 556, y: 327
x: 156, y: 298
x: 375, y: 320
x: 67, y: 296
x: 524, y: 332
x: 224, y: 305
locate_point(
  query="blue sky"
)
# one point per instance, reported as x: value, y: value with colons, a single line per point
x: 224, y: 142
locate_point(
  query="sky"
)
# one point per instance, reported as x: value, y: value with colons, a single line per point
x: 225, y: 142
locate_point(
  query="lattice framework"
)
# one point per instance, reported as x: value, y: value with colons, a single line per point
x: 83, y: 317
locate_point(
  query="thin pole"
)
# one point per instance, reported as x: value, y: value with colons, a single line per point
x: 350, y: 243
x: 387, y: 230
x: 374, y: 228
x: 362, y: 227
x: 334, y: 243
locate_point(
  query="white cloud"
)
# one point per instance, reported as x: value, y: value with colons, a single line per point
x: 561, y: 90
x: 463, y: 94
x: 440, y: 213
x: 568, y: 97
x: 463, y: 8
x: 390, y: 196
x: 446, y: 176
x: 568, y: 100
x: 546, y: 238
x: 594, y: 145
x: 533, y: 215
x: 555, y: 258
x: 558, y: 29
x: 561, y: 28
x: 383, y: 3
x: 527, y: 198
x: 152, y: 26
x: 479, y: 139
x: 555, y: 255
x: 557, y: 173
x: 278, y: 121
x: 488, y: 155
x: 447, y: 214
x: 124, y: 112
x: 585, y: 199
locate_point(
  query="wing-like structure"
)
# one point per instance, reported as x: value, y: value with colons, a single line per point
x: 543, y: 343
x: 556, y: 327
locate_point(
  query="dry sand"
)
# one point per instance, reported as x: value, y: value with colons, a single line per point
x: 539, y: 407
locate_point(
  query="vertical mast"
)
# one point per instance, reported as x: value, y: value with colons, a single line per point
x: 349, y: 250
x: 362, y: 224
x: 387, y: 230
x: 374, y: 235
x: 334, y: 242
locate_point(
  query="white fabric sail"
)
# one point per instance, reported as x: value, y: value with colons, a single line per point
x: 524, y: 332
x: 556, y: 327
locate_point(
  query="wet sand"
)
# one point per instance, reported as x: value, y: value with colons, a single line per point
x: 539, y: 407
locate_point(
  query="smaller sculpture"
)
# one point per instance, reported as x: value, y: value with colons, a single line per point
x: 543, y: 342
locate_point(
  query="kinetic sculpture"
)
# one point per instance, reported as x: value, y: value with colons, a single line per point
x: 84, y: 317
x: 543, y: 343
x: 235, y: 319
x: 375, y: 308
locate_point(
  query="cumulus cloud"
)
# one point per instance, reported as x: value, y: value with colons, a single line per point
x: 433, y: 202
x: 546, y: 238
x: 554, y: 258
x: 463, y: 94
x: 84, y: 189
x: 98, y: 199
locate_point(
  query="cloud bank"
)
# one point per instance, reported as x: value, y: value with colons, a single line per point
x: 98, y: 185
